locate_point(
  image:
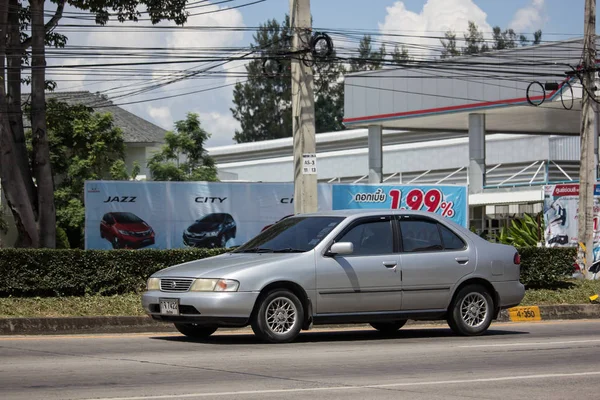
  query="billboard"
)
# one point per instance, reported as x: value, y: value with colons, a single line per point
x: 450, y: 201
x: 561, y: 208
x: 170, y: 215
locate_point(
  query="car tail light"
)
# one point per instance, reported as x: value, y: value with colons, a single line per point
x: 517, y: 259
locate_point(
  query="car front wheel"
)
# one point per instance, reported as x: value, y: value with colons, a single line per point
x: 471, y: 311
x: 388, y: 327
x: 195, y: 331
x: 279, y: 317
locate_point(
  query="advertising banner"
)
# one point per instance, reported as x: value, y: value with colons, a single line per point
x: 167, y: 215
x: 561, y: 208
x: 449, y: 201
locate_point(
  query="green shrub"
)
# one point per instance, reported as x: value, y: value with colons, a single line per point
x: 546, y: 268
x: 62, y: 240
x: 30, y: 272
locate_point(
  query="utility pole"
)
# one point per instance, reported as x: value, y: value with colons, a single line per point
x: 587, y: 169
x: 303, y: 110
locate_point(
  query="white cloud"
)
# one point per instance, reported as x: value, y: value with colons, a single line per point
x: 529, y: 18
x: 162, y: 116
x: 221, y: 126
x: 436, y: 17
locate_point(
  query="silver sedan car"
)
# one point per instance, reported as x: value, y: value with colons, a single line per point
x: 380, y: 267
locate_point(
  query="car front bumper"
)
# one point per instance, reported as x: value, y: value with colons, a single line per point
x: 217, y: 308
x: 205, y: 242
x: 511, y: 293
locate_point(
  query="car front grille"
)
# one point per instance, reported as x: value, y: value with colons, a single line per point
x: 175, y: 285
x: 142, y: 234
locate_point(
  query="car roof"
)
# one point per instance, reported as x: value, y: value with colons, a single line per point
x: 367, y: 213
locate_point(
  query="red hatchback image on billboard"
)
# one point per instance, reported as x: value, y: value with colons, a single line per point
x: 126, y: 230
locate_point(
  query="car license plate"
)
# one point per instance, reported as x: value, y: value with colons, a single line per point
x: 169, y: 306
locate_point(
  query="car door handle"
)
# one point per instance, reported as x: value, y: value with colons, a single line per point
x: 390, y: 264
x: 462, y: 260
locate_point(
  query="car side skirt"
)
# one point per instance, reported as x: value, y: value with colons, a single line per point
x: 357, y: 318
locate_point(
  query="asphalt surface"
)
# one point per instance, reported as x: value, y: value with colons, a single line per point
x: 545, y: 360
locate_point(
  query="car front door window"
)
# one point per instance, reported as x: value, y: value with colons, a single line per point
x: 370, y: 238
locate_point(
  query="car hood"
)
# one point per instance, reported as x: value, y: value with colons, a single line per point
x: 223, y: 265
x: 200, y: 227
x: 133, y: 227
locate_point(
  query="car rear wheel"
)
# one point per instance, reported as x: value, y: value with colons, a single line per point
x: 471, y: 311
x: 388, y: 327
x: 279, y: 317
x: 195, y: 331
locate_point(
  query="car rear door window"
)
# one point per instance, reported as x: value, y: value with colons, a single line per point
x: 420, y: 235
x: 370, y: 238
x: 451, y: 239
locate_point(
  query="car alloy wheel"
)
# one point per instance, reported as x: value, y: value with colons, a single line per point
x: 474, y: 309
x: 471, y: 311
x: 279, y: 317
x: 281, y: 314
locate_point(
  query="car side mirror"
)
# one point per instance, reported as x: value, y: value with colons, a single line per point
x: 341, y: 248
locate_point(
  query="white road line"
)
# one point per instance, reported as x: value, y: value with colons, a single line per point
x: 530, y: 343
x: 334, y: 388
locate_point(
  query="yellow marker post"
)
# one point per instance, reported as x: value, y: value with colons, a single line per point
x: 524, y: 314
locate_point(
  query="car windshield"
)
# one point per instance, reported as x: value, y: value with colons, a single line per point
x: 295, y: 234
x: 213, y: 218
x: 126, y: 218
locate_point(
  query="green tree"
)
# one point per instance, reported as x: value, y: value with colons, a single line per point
x: 537, y: 37
x: 367, y: 58
x: 183, y: 157
x: 25, y: 33
x: 84, y: 145
x: 400, y: 55
x: 449, y: 45
x: 504, y: 40
x: 474, y: 41
x: 263, y: 104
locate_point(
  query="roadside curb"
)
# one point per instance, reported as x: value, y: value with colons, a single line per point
x: 144, y: 324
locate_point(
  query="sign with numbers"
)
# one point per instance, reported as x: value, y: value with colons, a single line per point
x: 309, y: 164
x: 532, y: 313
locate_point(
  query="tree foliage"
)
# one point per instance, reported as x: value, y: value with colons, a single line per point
x: 475, y: 42
x: 263, y: 105
x: 84, y: 145
x: 183, y: 157
x: 523, y: 232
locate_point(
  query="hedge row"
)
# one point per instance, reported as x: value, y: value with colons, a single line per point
x: 26, y: 273
x: 546, y: 268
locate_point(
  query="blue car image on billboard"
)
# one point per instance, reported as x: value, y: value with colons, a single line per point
x: 212, y: 230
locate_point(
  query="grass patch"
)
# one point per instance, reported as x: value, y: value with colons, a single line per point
x: 577, y: 292
x: 574, y: 292
x: 127, y: 304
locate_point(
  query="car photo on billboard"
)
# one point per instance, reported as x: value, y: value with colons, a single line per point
x: 126, y: 230
x: 210, y: 231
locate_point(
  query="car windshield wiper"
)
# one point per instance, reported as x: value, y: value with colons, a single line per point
x: 257, y: 250
x: 288, y: 250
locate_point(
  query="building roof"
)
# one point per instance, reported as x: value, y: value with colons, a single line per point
x: 135, y: 129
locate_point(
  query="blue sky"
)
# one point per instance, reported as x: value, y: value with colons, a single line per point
x: 414, y: 17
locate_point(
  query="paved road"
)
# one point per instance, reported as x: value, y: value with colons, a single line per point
x: 553, y: 360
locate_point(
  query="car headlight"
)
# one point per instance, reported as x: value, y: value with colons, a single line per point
x: 214, y: 285
x: 153, y: 284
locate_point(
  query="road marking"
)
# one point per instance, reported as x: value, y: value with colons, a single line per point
x: 531, y: 343
x: 333, y: 388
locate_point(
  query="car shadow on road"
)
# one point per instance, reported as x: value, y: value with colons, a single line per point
x: 232, y: 338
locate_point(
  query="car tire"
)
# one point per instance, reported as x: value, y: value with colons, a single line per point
x: 195, y: 331
x: 223, y: 241
x: 472, y: 311
x: 388, y: 327
x: 279, y: 317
